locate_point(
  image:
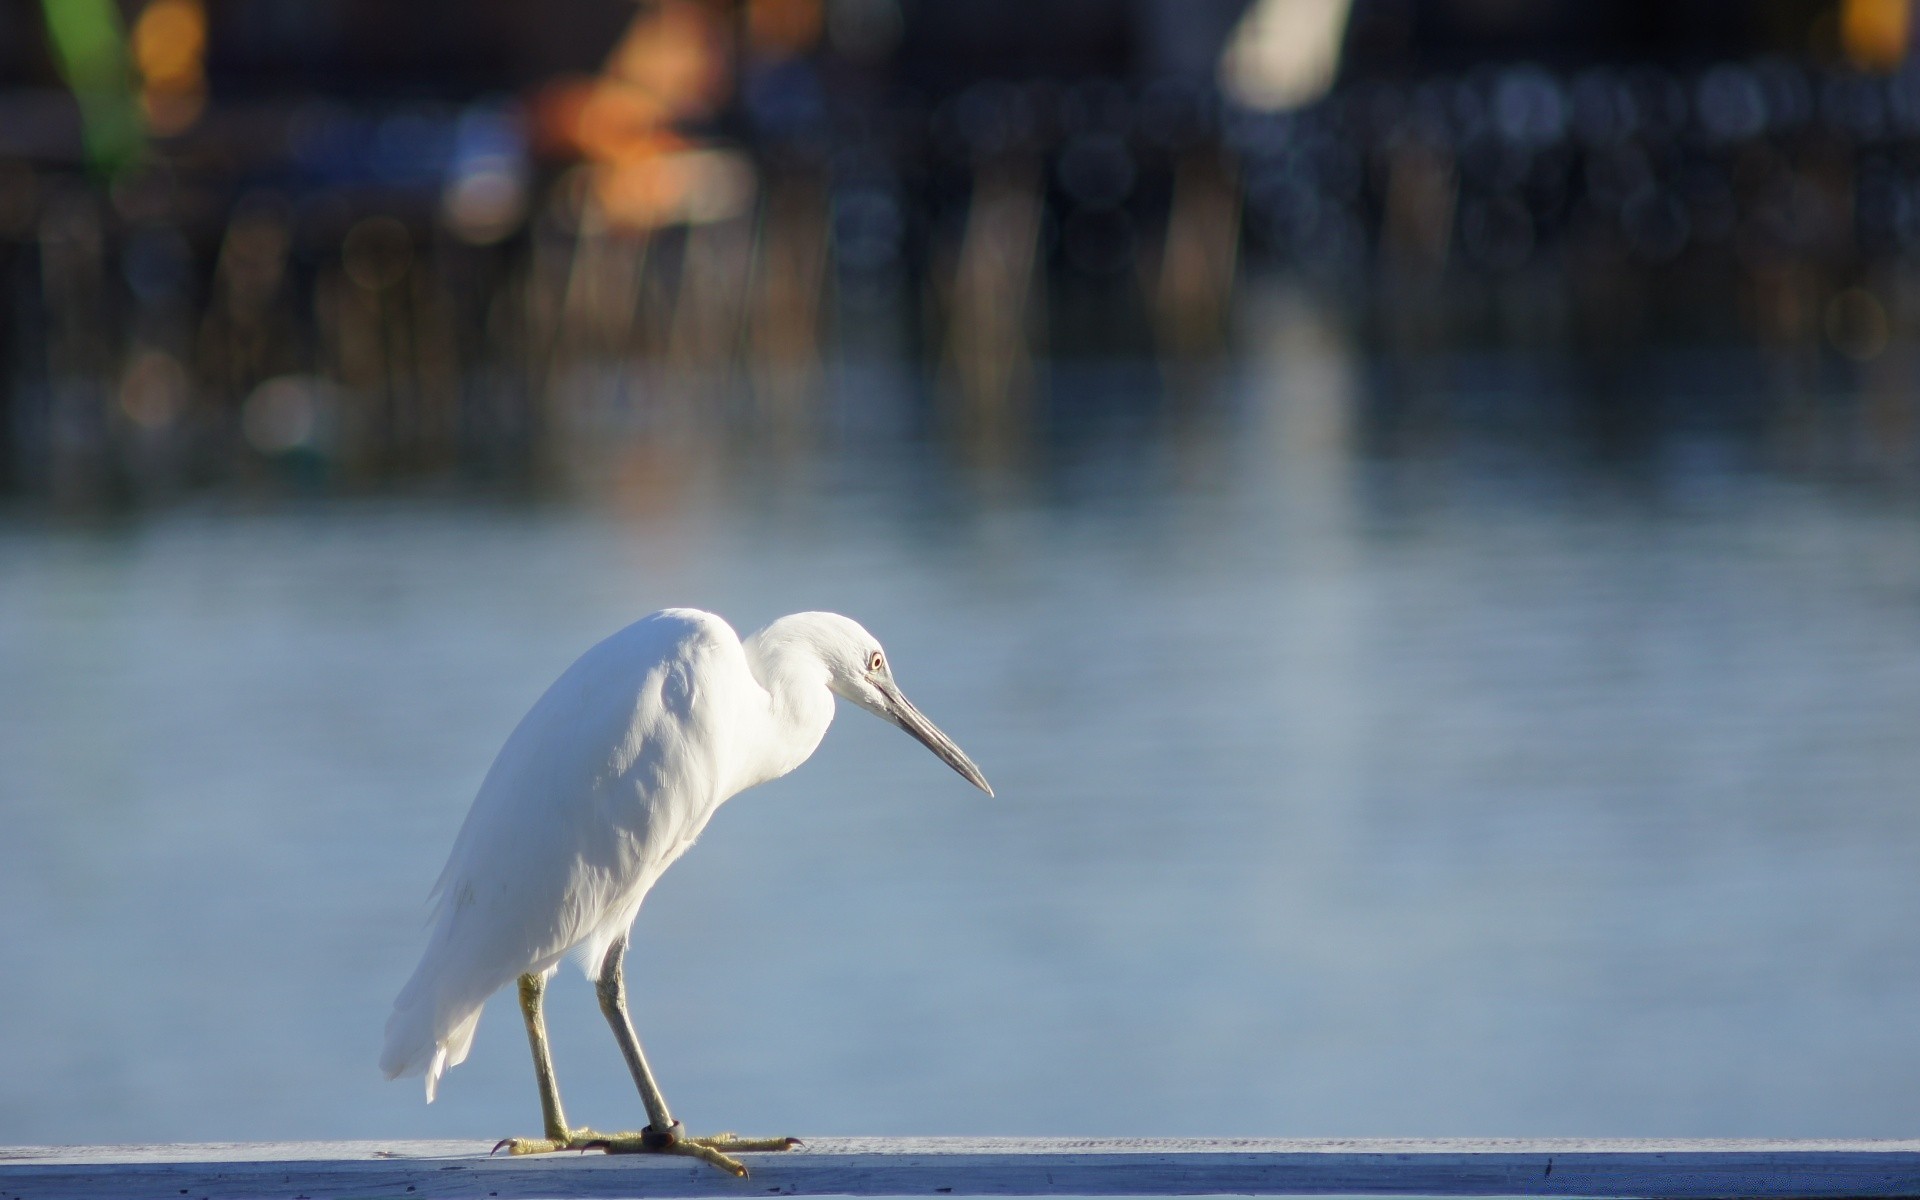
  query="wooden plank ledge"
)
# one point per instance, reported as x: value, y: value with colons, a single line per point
x: 1694, y: 1170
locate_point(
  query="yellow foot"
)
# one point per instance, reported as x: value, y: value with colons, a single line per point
x: 711, y: 1150
x: 578, y: 1139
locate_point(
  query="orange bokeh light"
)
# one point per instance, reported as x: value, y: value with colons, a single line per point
x: 169, y: 51
x: 1876, y: 33
x: 671, y: 66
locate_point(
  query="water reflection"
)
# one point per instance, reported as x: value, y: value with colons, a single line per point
x: 1374, y: 759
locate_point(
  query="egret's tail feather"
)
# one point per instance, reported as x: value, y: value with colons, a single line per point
x: 418, y: 1043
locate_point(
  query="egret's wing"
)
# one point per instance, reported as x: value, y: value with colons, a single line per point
x: 604, y: 782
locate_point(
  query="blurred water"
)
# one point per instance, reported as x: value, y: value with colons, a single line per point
x: 1473, y: 792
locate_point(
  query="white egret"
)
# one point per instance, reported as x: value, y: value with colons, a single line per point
x: 604, y: 783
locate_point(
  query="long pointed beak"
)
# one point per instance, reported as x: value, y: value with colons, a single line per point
x: 901, y: 712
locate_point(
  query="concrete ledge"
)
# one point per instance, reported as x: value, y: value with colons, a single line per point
x: 981, y: 1167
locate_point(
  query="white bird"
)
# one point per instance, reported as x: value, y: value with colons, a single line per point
x: 604, y: 783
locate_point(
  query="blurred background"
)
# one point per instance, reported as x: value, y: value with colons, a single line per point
x: 1411, y: 502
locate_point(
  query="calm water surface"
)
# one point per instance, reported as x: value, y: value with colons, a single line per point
x: 1472, y: 793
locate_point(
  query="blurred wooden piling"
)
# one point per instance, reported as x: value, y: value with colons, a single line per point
x: 993, y: 296
x: 988, y: 1166
x: 1199, y: 259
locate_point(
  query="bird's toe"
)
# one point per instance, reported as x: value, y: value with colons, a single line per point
x: 531, y: 1145
x: 734, y: 1143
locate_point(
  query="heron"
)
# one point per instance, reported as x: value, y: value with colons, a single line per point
x: 605, y: 782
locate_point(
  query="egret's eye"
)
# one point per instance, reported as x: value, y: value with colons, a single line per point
x: 876, y: 663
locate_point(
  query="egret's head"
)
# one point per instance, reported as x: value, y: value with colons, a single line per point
x: 858, y: 670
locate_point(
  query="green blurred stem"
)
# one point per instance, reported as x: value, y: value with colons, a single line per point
x: 90, y: 46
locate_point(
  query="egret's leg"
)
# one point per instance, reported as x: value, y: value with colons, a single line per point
x: 559, y: 1136
x: 533, y: 990
x: 611, y: 987
x: 663, y: 1134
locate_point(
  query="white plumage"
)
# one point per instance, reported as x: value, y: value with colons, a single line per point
x: 605, y: 782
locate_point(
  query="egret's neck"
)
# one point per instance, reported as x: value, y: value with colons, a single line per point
x: 800, y: 705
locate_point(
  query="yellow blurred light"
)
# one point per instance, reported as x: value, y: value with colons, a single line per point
x: 1876, y: 33
x: 169, y: 51
x: 170, y: 41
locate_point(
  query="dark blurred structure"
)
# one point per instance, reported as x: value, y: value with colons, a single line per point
x: 347, y: 241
